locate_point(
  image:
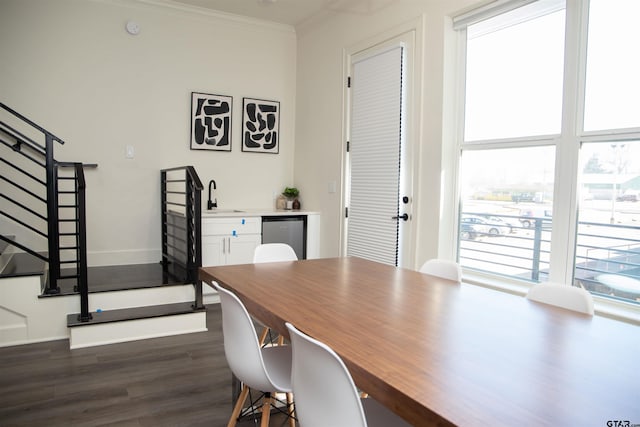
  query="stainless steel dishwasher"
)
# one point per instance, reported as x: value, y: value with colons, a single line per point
x: 289, y: 229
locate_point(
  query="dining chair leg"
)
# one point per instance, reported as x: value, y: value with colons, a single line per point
x: 239, y: 404
x: 292, y: 414
x: 266, y: 410
x: 263, y: 335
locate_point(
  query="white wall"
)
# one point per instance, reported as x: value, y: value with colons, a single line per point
x: 319, y: 126
x: 70, y: 66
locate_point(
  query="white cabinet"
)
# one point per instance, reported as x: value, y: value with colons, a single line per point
x: 233, y: 239
x: 227, y: 250
x: 230, y: 240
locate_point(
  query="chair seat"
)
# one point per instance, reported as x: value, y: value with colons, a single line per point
x: 277, y: 361
x: 380, y: 416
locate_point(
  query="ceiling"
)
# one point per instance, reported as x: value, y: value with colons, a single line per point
x: 290, y: 12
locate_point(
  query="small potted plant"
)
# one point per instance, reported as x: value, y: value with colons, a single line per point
x: 290, y: 193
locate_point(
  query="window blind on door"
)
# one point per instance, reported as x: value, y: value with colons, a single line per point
x: 374, y: 152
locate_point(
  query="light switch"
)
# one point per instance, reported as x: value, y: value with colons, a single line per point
x: 332, y: 187
x: 130, y: 152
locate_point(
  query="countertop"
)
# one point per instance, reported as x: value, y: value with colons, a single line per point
x: 219, y: 213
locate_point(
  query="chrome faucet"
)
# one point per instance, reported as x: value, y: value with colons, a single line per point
x: 211, y: 204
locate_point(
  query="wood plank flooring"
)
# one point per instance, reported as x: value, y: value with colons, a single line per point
x: 173, y: 381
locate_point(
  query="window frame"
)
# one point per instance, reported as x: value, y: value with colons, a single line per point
x: 567, y: 143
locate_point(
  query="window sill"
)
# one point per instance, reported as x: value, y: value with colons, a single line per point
x: 617, y: 310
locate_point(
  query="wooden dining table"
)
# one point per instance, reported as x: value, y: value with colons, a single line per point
x: 442, y: 353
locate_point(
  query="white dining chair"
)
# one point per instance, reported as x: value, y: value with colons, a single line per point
x: 442, y: 268
x: 267, y: 369
x: 565, y: 296
x: 325, y: 392
x: 272, y: 252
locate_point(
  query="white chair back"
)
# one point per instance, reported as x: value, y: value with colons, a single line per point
x: 273, y: 252
x: 565, y: 296
x: 442, y: 268
x: 325, y: 394
x: 241, y: 347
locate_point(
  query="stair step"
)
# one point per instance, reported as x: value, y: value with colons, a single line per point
x: 132, y: 324
x: 134, y: 313
x: 23, y: 264
x: 116, y: 278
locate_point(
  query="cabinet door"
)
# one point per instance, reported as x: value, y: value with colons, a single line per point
x: 241, y: 248
x: 213, y: 250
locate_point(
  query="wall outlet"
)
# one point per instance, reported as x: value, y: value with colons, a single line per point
x: 129, y: 152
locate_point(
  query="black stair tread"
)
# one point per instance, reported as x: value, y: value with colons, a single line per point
x: 125, y: 277
x: 23, y: 264
x: 134, y: 313
x: 117, y: 278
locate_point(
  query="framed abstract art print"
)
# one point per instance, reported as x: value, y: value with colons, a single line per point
x: 211, y: 122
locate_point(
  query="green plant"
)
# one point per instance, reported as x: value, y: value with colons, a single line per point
x: 290, y: 192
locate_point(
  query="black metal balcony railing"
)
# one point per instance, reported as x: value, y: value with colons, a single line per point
x: 607, y: 249
x: 519, y: 247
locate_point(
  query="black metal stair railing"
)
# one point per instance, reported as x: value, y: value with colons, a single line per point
x: 33, y: 197
x: 73, y: 231
x: 181, y: 226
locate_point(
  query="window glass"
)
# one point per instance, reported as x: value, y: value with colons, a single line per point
x: 612, y: 91
x: 505, y: 222
x: 608, y: 240
x: 514, y: 74
x: 513, y: 93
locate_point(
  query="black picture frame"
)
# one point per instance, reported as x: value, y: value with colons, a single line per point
x: 211, y: 121
x: 260, y: 126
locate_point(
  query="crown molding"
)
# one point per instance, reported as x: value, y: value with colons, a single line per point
x: 210, y: 13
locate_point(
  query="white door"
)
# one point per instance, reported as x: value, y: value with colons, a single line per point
x: 378, y: 199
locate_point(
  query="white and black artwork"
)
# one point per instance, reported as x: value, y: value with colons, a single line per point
x: 260, y: 126
x: 211, y: 122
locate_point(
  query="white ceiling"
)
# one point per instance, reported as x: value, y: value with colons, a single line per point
x: 290, y: 12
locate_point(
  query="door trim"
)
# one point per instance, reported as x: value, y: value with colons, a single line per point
x: 411, y: 32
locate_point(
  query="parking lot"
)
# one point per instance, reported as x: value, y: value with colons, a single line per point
x: 606, y: 242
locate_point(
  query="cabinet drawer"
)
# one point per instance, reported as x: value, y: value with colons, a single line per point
x: 226, y: 226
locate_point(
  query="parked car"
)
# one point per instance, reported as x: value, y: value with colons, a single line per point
x: 529, y: 216
x: 486, y: 226
x: 506, y: 224
x: 468, y: 231
x: 522, y: 197
x: 628, y: 196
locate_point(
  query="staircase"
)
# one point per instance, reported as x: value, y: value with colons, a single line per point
x: 47, y: 289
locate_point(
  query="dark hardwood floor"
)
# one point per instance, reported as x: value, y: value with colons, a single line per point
x: 172, y: 381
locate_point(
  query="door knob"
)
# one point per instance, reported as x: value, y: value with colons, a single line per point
x: 403, y: 217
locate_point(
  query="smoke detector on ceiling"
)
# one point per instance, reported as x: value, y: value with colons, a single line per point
x: 132, y: 28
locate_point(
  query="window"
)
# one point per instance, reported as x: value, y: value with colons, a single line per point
x: 612, y: 99
x: 505, y: 223
x: 548, y: 178
x: 608, y: 237
x: 518, y: 66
